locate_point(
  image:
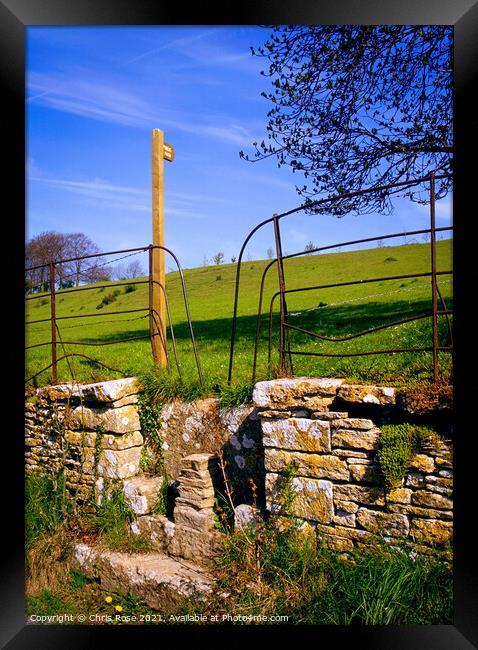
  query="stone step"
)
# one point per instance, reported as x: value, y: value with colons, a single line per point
x: 159, y: 580
x: 140, y: 492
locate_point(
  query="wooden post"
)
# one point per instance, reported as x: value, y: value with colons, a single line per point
x: 160, y: 151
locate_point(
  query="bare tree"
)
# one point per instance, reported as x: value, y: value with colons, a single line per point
x: 309, y: 247
x: 270, y: 253
x: 58, y: 247
x: 218, y: 258
x: 41, y: 250
x: 132, y: 270
x: 79, y: 246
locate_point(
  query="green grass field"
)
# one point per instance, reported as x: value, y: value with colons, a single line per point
x: 335, y: 312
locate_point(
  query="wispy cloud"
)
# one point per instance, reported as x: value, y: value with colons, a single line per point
x: 107, y: 102
x: 101, y: 192
x: 94, y: 99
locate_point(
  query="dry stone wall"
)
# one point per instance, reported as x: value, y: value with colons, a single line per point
x: 336, y: 481
x: 91, y: 431
x: 327, y: 429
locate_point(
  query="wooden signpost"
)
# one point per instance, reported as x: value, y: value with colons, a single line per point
x: 160, y: 152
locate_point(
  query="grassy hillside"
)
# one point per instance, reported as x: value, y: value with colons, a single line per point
x: 336, y: 312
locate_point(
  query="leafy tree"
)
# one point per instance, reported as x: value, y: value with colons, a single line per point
x: 357, y: 106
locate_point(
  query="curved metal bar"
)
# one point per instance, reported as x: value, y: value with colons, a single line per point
x: 157, y: 321
x: 445, y: 348
x: 450, y: 334
x: 406, y: 233
x: 259, y: 316
x: 85, y: 257
x: 269, y: 353
x: 106, y: 313
x: 186, y: 304
x: 76, y: 354
x: 236, y: 294
x: 346, y: 284
x: 133, y: 338
x: 173, y: 338
x: 349, y: 195
x: 363, y: 332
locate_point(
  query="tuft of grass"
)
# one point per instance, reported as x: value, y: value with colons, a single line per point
x: 47, y: 505
x: 112, y: 519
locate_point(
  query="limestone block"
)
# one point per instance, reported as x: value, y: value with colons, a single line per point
x: 432, y: 500
x: 383, y: 522
x: 158, y: 529
x: 367, y: 394
x: 416, y: 511
x: 337, y: 543
x: 399, y: 495
x: 115, y: 442
x: 198, y: 462
x: 432, y: 531
x: 202, y: 520
x: 197, y: 546
x: 343, y: 518
x: 364, y: 473
x: 141, y: 493
x: 312, y: 500
x: 355, y: 439
x: 346, y: 506
x: 309, y: 465
x: 347, y: 453
x: 343, y: 531
x: 440, y: 485
x: 422, y: 463
x: 297, y: 433
x: 196, y: 503
x: 360, y: 494
x: 415, y: 480
x: 352, y: 423
x: 105, y: 391
x: 158, y: 580
x: 110, y: 420
x: 270, y: 414
x: 285, y: 393
x: 329, y: 415
x: 112, y: 464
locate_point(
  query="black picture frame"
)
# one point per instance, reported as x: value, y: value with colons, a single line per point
x: 15, y: 16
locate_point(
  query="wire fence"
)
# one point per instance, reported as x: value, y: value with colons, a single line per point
x: 285, y: 363
x: 157, y: 327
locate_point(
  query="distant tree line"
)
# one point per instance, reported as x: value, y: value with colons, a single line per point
x: 61, y: 247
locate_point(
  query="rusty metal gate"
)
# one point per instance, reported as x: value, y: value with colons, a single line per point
x: 285, y: 351
x: 152, y: 311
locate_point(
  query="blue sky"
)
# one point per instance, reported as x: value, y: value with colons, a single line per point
x: 94, y: 94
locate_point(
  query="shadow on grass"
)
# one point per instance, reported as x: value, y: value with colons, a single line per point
x: 329, y: 321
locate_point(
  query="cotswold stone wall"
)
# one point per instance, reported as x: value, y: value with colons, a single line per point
x: 91, y: 431
x: 327, y: 429
x: 336, y: 477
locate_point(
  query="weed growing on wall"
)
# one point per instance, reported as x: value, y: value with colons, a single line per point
x: 397, y: 444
